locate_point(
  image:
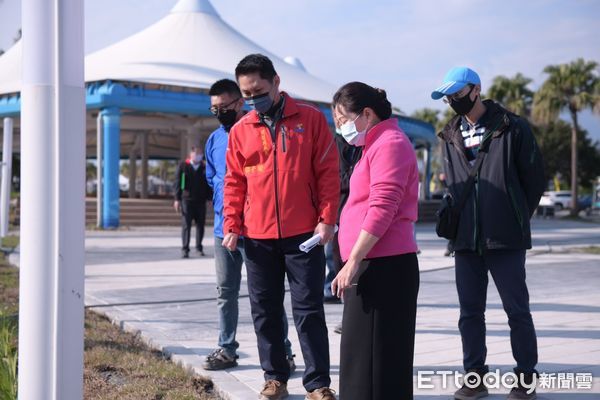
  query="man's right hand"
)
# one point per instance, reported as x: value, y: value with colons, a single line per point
x: 177, y: 206
x: 230, y: 241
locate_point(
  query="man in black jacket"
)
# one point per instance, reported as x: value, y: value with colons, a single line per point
x: 493, y: 230
x: 191, y: 194
x: 349, y: 156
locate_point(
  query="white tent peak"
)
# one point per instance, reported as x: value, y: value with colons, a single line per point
x: 194, y: 6
x: 192, y: 46
x: 295, y: 61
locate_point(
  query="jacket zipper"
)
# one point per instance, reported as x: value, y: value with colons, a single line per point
x: 283, y: 138
x: 476, y: 217
x: 276, y: 179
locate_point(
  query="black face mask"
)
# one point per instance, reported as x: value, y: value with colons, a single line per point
x: 227, y: 118
x: 464, y: 105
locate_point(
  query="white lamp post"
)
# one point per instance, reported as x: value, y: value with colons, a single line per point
x: 52, y: 199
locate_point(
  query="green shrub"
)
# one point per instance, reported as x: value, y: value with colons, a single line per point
x: 8, y: 358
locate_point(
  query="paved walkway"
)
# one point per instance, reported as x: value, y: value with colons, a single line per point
x: 137, y: 278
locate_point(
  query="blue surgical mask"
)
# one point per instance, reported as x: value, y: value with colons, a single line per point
x: 352, y: 136
x: 261, y: 103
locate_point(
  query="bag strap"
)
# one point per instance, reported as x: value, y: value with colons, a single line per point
x: 471, y: 181
x: 487, y: 137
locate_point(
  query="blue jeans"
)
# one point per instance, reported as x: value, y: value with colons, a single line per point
x: 507, y: 268
x: 229, y: 275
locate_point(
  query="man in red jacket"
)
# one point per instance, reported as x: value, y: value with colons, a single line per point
x: 282, y: 187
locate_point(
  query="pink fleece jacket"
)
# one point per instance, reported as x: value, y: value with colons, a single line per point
x: 383, y: 194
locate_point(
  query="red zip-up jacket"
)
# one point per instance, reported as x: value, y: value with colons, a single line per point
x: 282, y: 188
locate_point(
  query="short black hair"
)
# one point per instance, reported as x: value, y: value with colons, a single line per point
x: 256, y: 63
x: 225, y: 86
x: 356, y: 96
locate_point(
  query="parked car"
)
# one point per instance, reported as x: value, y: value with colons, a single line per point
x: 584, y: 202
x: 561, y: 199
x: 545, y: 207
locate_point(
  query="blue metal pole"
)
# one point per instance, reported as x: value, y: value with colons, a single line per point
x: 111, y: 122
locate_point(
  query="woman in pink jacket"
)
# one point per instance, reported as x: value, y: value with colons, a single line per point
x: 380, y: 278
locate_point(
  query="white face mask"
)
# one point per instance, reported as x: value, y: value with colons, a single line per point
x: 352, y: 136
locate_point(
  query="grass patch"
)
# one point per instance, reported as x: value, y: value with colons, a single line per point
x: 588, y: 249
x: 9, y: 288
x: 10, y: 241
x: 8, y: 358
x: 9, y: 304
x: 117, y: 364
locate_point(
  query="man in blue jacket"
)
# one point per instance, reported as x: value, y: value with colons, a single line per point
x: 226, y: 105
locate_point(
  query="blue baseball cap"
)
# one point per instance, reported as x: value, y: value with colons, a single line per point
x: 456, y: 79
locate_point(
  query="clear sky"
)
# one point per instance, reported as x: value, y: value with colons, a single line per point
x: 403, y: 46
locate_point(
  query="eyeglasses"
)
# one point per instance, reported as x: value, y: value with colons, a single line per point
x: 218, y: 110
x: 456, y: 96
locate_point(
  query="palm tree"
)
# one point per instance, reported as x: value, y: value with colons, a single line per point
x: 572, y: 87
x: 512, y: 93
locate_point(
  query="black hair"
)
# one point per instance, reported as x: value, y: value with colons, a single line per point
x: 225, y: 86
x: 256, y: 63
x: 355, y: 96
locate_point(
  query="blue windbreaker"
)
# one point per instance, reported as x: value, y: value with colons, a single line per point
x: 215, y: 150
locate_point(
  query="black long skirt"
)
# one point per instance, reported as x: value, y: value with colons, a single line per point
x: 378, y: 332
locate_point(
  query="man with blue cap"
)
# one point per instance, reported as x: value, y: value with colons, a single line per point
x: 495, y: 178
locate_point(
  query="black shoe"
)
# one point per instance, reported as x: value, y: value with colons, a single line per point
x: 290, y: 360
x: 185, y: 254
x: 201, y: 252
x: 520, y: 393
x: 219, y: 359
x: 467, y: 392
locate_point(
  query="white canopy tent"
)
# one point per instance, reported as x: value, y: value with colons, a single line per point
x: 11, y: 69
x: 193, y: 47
x: 190, y: 47
x: 147, y: 94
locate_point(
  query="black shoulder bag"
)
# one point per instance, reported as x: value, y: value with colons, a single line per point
x: 448, y: 215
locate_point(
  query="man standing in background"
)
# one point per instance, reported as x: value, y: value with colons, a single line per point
x: 191, y: 194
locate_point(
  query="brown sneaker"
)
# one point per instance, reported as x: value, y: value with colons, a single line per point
x: 323, y: 393
x: 273, y: 390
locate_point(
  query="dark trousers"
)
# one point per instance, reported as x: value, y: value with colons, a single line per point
x: 267, y: 263
x: 378, y: 332
x: 192, y: 211
x: 507, y: 268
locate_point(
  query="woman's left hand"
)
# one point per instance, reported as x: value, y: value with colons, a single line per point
x: 344, y: 278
